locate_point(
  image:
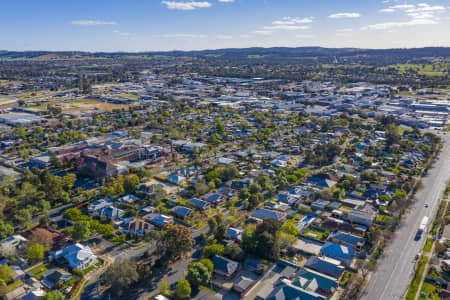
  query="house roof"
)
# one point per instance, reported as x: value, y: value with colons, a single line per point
x: 325, y: 266
x: 224, y: 264
x: 262, y: 213
x: 75, y: 254
x: 311, y: 280
x: 340, y: 251
x: 286, y: 290
x: 199, y: 203
x: 182, y: 211
x: 348, y: 238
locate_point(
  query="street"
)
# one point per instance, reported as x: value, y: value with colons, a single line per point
x: 396, y: 267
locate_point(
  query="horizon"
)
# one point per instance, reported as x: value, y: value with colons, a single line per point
x: 221, y: 49
x: 197, y: 25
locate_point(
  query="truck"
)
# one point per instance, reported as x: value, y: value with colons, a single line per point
x: 422, y: 228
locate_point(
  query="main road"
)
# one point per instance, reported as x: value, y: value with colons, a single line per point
x: 396, y: 268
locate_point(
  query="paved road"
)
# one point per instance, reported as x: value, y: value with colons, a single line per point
x: 396, y: 268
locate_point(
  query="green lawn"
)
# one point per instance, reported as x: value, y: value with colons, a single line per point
x: 431, y: 291
x: 383, y: 218
x: 39, y: 270
x: 428, y: 245
x: 412, y: 291
x: 13, y: 286
x: 320, y: 235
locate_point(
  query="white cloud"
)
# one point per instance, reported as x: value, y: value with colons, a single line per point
x: 304, y: 36
x: 285, y: 27
x: 344, y: 30
x: 344, y: 15
x: 92, y: 22
x: 293, y: 21
x: 183, y: 35
x: 224, y: 37
x: 226, y: 1
x: 391, y: 25
x: 420, y: 14
x: 263, y: 32
x: 122, y: 33
x: 191, y: 5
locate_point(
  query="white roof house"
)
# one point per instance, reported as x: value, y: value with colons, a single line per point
x: 77, y: 256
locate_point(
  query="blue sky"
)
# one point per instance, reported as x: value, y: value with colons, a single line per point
x: 152, y: 25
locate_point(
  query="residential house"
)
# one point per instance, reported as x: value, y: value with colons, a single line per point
x: 200, y: 204
x: 112, y: 212
x: 176, y: 179
x: 235, y: 233
x: 214, y: 198
x: 261, y: 214
x: 363, y: 215
x: 225, y: 267
x: 347, y: 239
x: 76, y: 256
x: 97, y: 205
x: 53, y: 277
x: 284, y: 289
x: 161, y: 221
x: 316, y: 282
x: 182, y: 211
x: 325, y: 265
x: 342, y: 253
x: 14, y: 241
x: 139, y: 227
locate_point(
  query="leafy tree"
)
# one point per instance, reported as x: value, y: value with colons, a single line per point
x: 24, y: 217
x: 36, y: 253
x: 73, y: 214
x: 183, y: 289
x: 6, y: 229
x: 6, y: 273
x: 208, y: 264
x: 164, y: 287
x: 130, y: 183
x: 52, y: 295
x: 198, y: 274
x: 69, y: 181
x: 81, y: 230
x: 234, y: 252
x: 176, y: 242
x: 120, y: 276
x: 39, y: 236
x: 214, y: 249
x: 264, y: 241
x: 290, y: 228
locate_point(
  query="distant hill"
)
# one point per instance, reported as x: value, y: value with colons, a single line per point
x: 252, y: 53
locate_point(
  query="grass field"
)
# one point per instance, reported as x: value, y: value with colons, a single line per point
x: 412, y: 290
x: 437, y: 69
x: 428, y: 245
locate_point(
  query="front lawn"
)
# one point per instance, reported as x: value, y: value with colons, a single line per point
x: 428, y: 245
x: 37, y: 271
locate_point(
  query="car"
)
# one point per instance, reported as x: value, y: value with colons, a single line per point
x: 426, y: 205
x: 416, y: 257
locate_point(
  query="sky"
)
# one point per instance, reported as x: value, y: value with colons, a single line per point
x: 163, y: 25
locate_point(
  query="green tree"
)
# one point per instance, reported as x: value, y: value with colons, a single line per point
x: 234, y: 252
x: 81, y: 230
x: 208, y: 263
x: 183, y: 289
x: 6, y: 229
x: 198, y: 274
x: 130, y: 183
x: 214, y: 249
x: 69, y: 181
x: 6, y: 273
x: 52, y: 295
x: 164, y: 288
x: 119, y: 276
x: 72, y: 214
x: 290, y: 228
x: 36, y: 253
x: 176, y: 242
